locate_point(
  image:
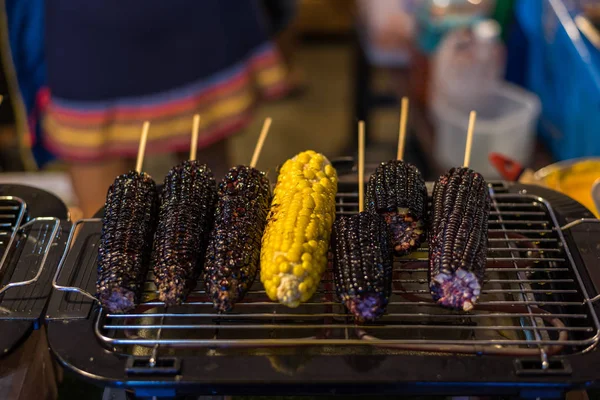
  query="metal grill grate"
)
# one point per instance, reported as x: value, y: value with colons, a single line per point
x: 533, y: 303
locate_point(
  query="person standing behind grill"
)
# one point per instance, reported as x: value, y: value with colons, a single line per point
x: 113, y: 64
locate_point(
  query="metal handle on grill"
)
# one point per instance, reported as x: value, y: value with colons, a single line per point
x: 573, y: 224
x: 16, y: 227
x: 61, y: 263
x: 44, y: 257
x: 579, y: 222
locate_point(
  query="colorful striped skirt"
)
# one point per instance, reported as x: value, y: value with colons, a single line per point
x: 203, y: 57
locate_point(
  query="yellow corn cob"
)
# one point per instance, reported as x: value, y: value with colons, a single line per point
x: 294, y: 246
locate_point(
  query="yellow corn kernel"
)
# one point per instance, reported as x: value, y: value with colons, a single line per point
x: 296, y: 239
x: 302, y: 287
x: 303, y: 158
x: 330, y: 171
x: 309, y: 174
x: 298, y: 271
x: 276, y: 281
x: 284, y: 267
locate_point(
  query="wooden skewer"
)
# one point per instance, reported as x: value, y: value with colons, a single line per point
x: 472, y: 118
x: 361, y: 166
x: 402, y: 129
x: 194, y: 143
x: 261, y: 140
x: 142, y: 148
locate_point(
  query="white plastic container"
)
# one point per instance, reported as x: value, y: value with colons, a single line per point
x: 505, y: 124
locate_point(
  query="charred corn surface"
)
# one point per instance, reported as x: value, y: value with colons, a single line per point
x: 294, y: 247
x: 363, y: 265
x: 458, y: 238
x: 126, y: 241
x: 186, y: 214
x: 396, y: 190
x: 234, y: 248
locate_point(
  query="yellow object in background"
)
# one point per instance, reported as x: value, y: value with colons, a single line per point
x: 573, y: 178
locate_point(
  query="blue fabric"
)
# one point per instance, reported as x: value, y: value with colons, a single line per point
x: 112, y: 49
x: 26, y: 36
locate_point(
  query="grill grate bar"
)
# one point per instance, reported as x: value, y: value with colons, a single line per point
x: 517, y: 240
x: 501, y: 259
x: 416, y: 291
x: 504, y: 249
x: 339, y: 326
x: 338, y: 315
x: 489, y: 270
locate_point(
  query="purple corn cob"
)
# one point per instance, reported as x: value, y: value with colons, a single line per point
x: 397, y: 192
x: 234, y: 249
x: 458, y: 238
x: 185, y: 220
x: 125, y: 244
x: 363, y: 264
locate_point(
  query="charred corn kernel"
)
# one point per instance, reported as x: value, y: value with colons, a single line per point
x: 296, y: 239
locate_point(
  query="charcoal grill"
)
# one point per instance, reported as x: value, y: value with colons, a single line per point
x: 30, y: 238
x: 534, y: 332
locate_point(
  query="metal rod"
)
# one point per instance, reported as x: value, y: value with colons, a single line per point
x: 160, y: 327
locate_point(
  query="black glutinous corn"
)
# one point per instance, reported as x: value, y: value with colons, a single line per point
x: 362, y: 264
x: 184, y: 223
x: 126, y: 241
x: 458, y: 238
x: 396, y: 191
x: 233, y: 254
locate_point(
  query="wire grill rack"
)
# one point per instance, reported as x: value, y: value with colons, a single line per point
x: 533, y: 303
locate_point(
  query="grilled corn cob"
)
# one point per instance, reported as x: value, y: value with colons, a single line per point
x: 294, y: 247
x: 397, y: 192
x: 234, y: 247
x: 185, y: 220
x: 126, y: 240
x: 363, y: 264
x: 458, y: 238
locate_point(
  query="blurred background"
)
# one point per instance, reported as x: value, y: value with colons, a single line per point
x: 79, y: 78
x: 77, y: 87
